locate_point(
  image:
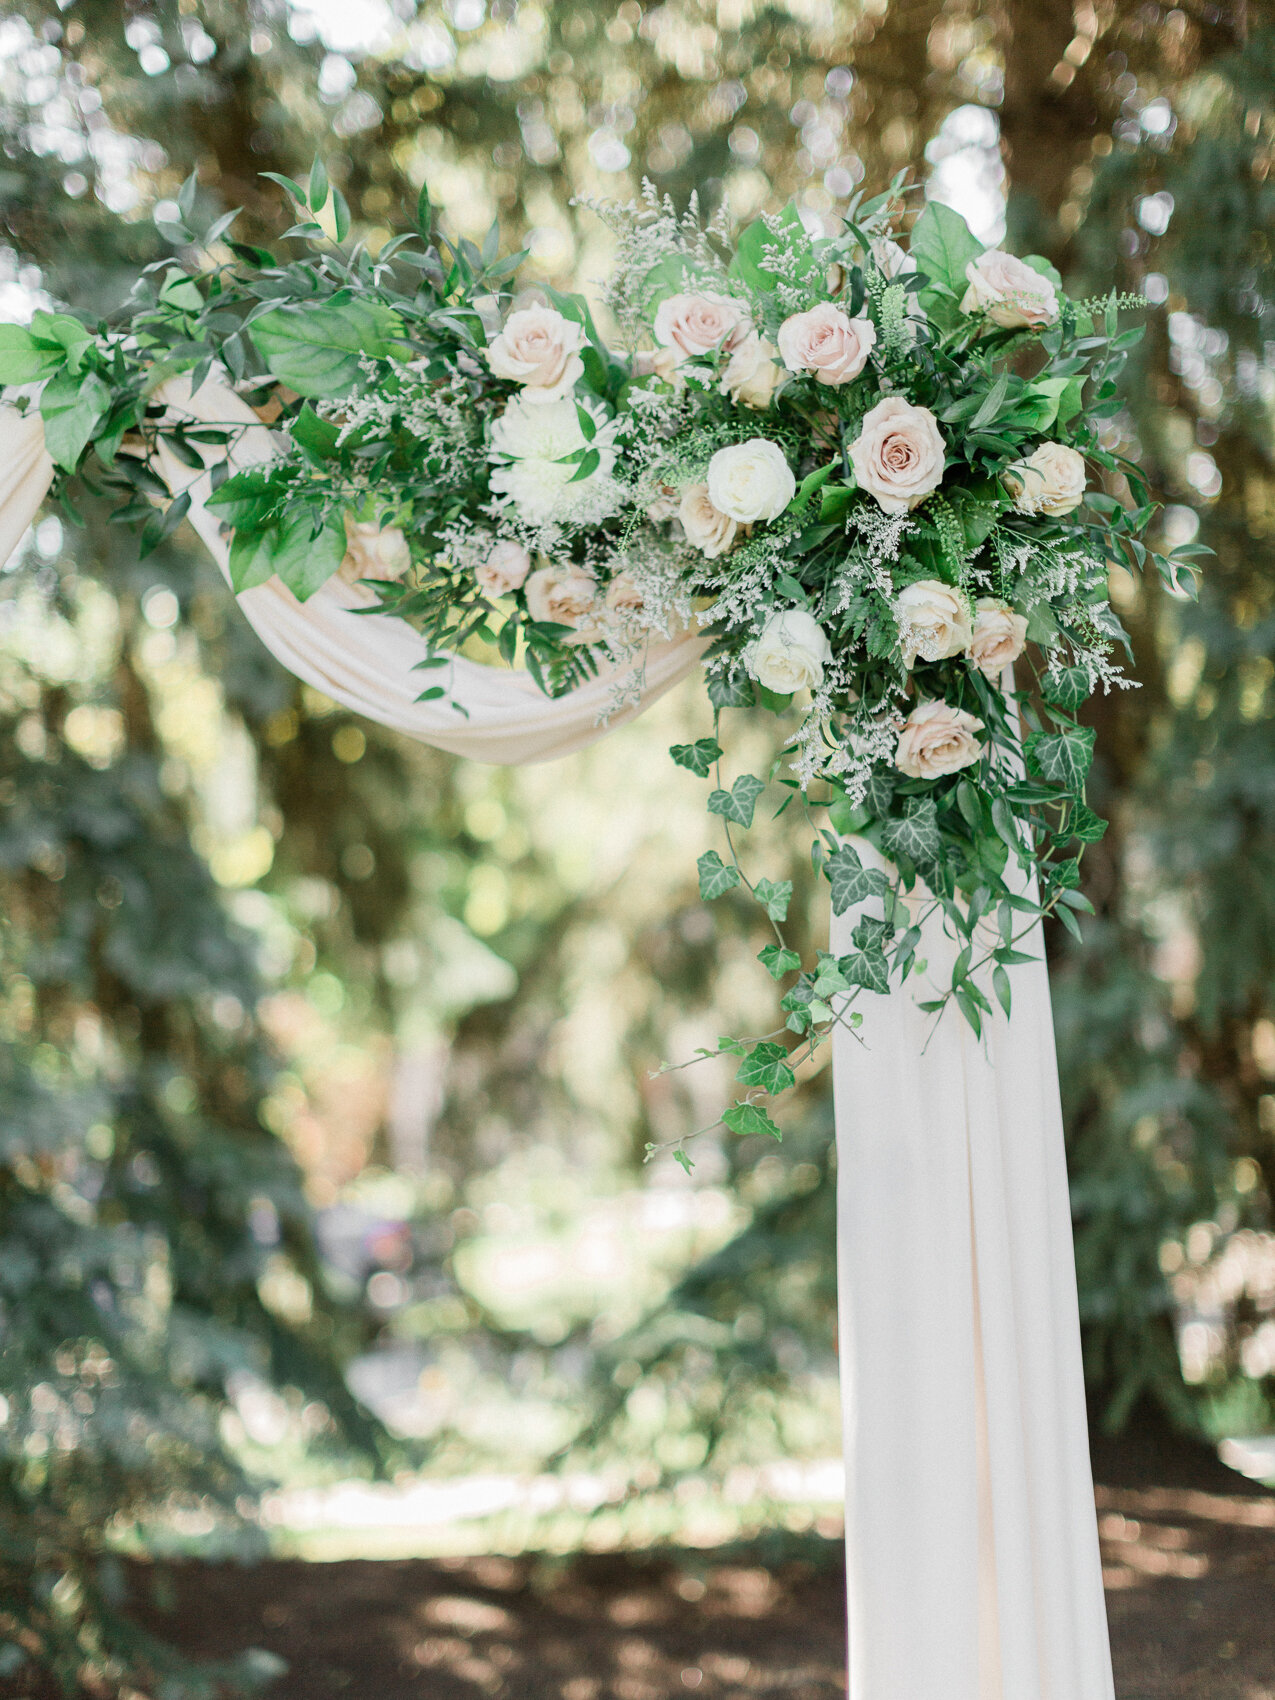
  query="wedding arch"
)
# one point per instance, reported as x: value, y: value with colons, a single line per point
x: 912, y: 446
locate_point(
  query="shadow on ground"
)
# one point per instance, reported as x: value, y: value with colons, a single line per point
x: 1189, y: 1559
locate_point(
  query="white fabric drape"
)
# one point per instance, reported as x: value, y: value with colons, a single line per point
x: 971, y: 1544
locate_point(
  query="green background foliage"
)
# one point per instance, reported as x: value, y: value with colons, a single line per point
x: 237, y: 926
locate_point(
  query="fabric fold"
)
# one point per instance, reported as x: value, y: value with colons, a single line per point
x: 973, y: 1569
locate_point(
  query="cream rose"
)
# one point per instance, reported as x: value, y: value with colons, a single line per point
x: 752, y: 376
x: 790, y: 653
x: 539, y: 349
x: 504, y: 570
x: 1009, y: 292
x: 933, y: 619
x: 694, y: 325
x: 1050, y: 481
x: 623, y: 595
x: 898, y: 455
x: 998, y: 638
x: 751, y: 481
x: 564, y: 594
x: 827, y: 343
x: 707, y: 528
x: 373, y: 551
x: 937, y: 739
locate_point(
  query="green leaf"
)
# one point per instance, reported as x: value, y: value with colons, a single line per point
x: 697, y: 757
x: 318, y: 186
x: 303, y: 561
x: 766, y: 1065
x: 251, y: 558
x: 72, y: 409
x: 916, y: 836
x: 759, y: 242
x: 778, y: 960
x: 244, y: 501
x: 774, y: 897
x: 942, y: 245
x: 867, y: 968
x: 315, y: 350
x: 1067, y: 688
x: 812, y: 482
x: 23, y: 359
x: 878, y: 794
x: 749, y: 1119
x: 851, y: 881
x: 715, y: 876
x: 1000, y: 985
x: 738, y: 803
x: 731, y: 691
x: 317, y: 436
x: 1064, y: 757
x: 1086, y: 825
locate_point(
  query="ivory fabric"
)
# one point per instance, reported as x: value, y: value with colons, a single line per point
x: 973, y: 1570
x: 971, y: 1545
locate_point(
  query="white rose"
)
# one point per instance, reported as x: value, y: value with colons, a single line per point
x: 790, y: 653
x: 663, y: 505
x: 373, y: 551
x: 827, y: 343
x: 933, y: 619
x: 898, y: 455
x: 504, y: 570
x: 528, y: 443
x: 937, y: 739
x: 538, y: 348
x: 1009, y: 292
x: 751, y: 481
x: 564, y: 594
x: 1050, y: 481
x: 693, y: 325
x: 751, y: 376
x: 707, y: 528
x: 998, y: 638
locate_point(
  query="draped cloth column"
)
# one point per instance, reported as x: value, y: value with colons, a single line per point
x: 971, y: 1546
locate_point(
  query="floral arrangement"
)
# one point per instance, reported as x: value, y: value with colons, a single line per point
x: 873, y: 478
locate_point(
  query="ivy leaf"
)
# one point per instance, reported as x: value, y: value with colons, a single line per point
x: 942, y: 245
x: 1067, y: 688
x: 851, y: 881
x: 867, y: 968
x: 774, y: 897
x: 315, y: 350
x: 738, y: 803
x: 715, y: 876
x: 727, y: 690
x: 72, y: 408
x: 1086, y: 825
x: 697, y: 757
x: 749, y: 1119
x: 778, y: 960
x: 1063, y: 757
x: 879, y: 792
x: 766, y: 1065
x: 916, y: 836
